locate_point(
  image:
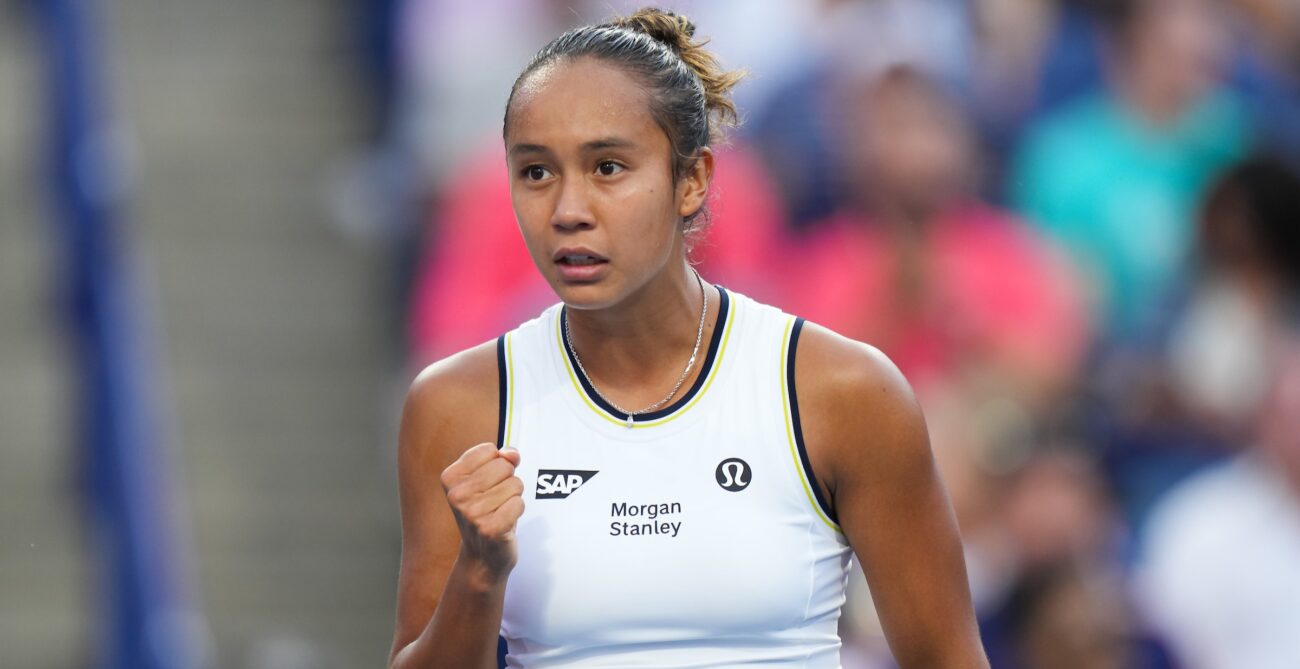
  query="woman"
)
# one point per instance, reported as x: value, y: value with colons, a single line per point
x: 666, y: 473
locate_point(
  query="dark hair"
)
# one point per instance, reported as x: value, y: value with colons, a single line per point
x: 688, y: 90
x: 1263, y: 193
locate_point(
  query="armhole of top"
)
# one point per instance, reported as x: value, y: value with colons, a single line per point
x: 503, y: 392
x: 503, y: 421
x: 810, y: 477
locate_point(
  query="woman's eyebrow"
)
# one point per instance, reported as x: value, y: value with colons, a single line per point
x: 529, y: 148
x: 608, y: 143
x: 602, y: 144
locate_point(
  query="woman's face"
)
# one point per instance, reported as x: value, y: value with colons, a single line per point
x: 591, y: 182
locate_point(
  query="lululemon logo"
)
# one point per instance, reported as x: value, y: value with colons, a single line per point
x: 733, y: 474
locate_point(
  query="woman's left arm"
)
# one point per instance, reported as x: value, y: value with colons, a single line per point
x: 868, y: 445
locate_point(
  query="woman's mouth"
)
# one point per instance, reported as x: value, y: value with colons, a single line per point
x: 579, y: 260
x: 580, y: 265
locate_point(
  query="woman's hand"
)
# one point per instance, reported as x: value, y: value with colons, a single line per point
x: 486, y: 498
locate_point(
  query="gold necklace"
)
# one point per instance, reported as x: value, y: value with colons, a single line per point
x: 699, y: 336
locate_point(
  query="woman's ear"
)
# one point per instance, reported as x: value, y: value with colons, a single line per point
x: 695, y: 183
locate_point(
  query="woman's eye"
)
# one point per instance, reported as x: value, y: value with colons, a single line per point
x: 535, y: 172
x: 608, y: 168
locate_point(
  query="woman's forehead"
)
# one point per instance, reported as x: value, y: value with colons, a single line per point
x: 578, y: 100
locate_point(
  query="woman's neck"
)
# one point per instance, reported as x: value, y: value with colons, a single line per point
x: 634, y: 351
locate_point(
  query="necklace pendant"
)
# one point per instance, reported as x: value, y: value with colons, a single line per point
x: 629, y: 421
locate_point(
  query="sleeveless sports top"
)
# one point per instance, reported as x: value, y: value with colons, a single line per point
x: 694, y: 538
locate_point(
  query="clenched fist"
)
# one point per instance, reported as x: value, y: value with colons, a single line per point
x: 487, y: 499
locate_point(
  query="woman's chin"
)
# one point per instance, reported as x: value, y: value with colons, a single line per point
x: 586, y: 295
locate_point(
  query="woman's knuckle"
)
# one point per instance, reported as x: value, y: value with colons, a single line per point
x: 458, y: 497
x: 514, y: 506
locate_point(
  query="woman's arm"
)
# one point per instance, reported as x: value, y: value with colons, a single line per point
x: 867, y: 442
x: 459, y: 509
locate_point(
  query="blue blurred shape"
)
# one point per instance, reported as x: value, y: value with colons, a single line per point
x: 146, y: 618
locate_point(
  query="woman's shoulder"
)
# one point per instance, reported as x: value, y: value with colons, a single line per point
x: 828, y: 365
x: 472, y: 375
x: 844, y: 370
x: 862, y: 425
x: 454, y: 400
x: 858, y: 411
x: 832, y: 360
x: 465, y: 371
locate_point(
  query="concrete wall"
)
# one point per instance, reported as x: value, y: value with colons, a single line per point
x: 276, y: 338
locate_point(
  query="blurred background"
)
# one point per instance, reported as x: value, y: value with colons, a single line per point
x: 232, y: 232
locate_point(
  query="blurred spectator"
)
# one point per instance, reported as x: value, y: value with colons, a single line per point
x: 1249, y: 271
x: 1074, y: 615
x: 984, y: 317
x: 1268, y: 69
x: 1219, y: 563
x: 1066, y: 618
x: 1065, y: 604
x: 1189, y: 395
x: 1033, y: 57
x: 1116, y: 175
x: 1071, y: 62
x: 1053, y: 508
x: 1056, y: 508
x: 1220, y: 576
x: 919, y: 267
x: 1046, y: 559
x: 799, y: 130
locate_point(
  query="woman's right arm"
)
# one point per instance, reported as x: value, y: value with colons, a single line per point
x: 459, y: 509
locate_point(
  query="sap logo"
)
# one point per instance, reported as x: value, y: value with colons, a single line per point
x: 560, y: 483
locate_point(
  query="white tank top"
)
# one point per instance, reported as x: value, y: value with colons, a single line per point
x: 694, y: 538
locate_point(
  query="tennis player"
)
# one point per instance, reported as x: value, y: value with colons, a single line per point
x: 658, y: 471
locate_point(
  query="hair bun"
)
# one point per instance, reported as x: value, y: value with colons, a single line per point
x: 677, y: 33
x: 670, y: 28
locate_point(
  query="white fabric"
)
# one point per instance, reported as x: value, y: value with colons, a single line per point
x: 1219, y: 353
x: 712, y: 577
x: 1220, y: 579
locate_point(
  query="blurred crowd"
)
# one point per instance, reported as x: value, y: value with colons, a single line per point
x: 1073, y: 224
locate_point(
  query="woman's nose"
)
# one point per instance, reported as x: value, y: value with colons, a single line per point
x: 573, y: 206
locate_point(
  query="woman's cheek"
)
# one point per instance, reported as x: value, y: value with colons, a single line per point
x: 532, y: 216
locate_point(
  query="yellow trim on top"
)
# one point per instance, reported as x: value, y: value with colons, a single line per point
x: 789, y: 429
x: 510, y: 389
x: 713, y: 373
